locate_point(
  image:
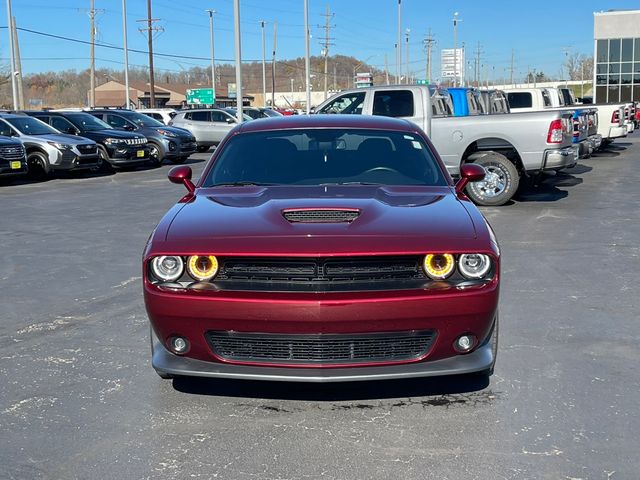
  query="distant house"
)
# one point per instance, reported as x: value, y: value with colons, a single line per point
x: 168, y: 95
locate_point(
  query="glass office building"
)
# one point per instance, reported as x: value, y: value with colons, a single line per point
x: 617, y: 56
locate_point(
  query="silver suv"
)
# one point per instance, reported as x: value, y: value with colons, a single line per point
x: 47, y: 148
x: 209, y: 126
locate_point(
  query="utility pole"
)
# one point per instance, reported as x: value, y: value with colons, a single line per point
x: 307, y: 60
x: 429, y: 42
x: 455, y: 48
x: 511, y: 69
x: 325, y: 46
x: 12, y: 74
x: 399, y: 45
x: 335, y: 78
x: 291, y: 79
x: 126, y: 54
x: 18, y: 71
x: 386, y: 69
x: 477, y: 65
x: 407, y: 32
x: 273, y: 66
x: 236, y: 30
x: 213, y: 57
x: 92, y: 19
x: 151, y: 29
x: 264, y: 68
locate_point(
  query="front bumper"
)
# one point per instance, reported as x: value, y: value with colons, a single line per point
x: 123, y: 156
x: 179, y: 147
x: 7, y: 171
x: 558, y: 159
x: 480, y: 360
x: 450, y: 313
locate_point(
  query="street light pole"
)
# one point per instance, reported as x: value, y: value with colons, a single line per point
x: 213, y: 58
x: 14, y: 89
x: 236, y: 29
x: 455, y: 49
x: 126, y: 54
x: 264, y: 71
x: 307, y: 60
x: 407, y: 67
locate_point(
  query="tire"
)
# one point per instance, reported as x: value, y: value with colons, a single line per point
x: 203, y: 148
x: 37, y: 166
x: 500, y: 184
x: 156, y: 154
x: 103, y: 161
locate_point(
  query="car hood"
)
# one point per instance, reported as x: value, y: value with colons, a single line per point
x: 235, y: 220
x: 110, y: 133
x: 180, y: 132
x: 63, y: 138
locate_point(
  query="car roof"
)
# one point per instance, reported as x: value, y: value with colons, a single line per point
x: 328, y: 121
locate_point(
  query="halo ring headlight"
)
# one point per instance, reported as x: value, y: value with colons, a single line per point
x: 474, y: 265
x: 438, y: 266
x: 167, y: 268
x: 202, y: 267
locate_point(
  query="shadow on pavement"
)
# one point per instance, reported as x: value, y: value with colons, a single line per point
x: 331, y: 392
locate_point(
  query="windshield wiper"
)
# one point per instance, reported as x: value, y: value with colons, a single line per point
x: 243, y: 184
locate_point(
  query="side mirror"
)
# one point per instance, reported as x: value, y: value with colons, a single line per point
x: 129, y: 128
x: 182, y: 175
x: 72, y: 131
x: 469, y: 173
x: 231, y: 120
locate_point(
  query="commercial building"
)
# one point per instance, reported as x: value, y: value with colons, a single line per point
x: 617, y: 56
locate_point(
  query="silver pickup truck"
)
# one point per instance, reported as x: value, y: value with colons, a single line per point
x: 508, y: 146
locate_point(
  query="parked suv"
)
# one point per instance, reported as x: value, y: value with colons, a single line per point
x: 13, y: 160
x: 163, y: 115
x: 208, y: 126
x: 174, y: 144
x: 115, y: 148
x: 47, y: 148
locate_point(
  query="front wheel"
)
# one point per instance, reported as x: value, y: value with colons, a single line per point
x: 156, y: 155
x: 103, y: 165
x: 499, y: 184
x: 37, y: 163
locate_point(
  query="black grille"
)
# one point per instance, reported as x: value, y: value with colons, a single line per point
x: 87, y: 149
x: 321, y: 274
x: 321, y: 216
x: 321, y: 348
x: 12, y: 153
x: 136, y: 141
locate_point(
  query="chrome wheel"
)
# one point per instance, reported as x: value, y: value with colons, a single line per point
x: 494, y: 183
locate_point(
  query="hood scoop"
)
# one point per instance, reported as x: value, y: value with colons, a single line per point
x: 321, y: 215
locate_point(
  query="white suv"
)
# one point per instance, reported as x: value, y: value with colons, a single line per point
x: 163, y: 115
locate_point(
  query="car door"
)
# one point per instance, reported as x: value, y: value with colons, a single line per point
x: 221, y: 123
x: 197, y: 122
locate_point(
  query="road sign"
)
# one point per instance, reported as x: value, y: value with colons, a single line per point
x: 422, y: 82
x: 363, y: 80
x: 200, y: 96
x: 232, y: 91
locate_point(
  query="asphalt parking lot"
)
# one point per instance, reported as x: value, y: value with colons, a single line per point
x: 79, y: 399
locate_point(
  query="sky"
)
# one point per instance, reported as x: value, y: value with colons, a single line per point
x: 366, y: 29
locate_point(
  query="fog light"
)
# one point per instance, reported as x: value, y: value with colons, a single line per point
x: 464, y: 343
x: 178, y: 344
x: 172, y: 146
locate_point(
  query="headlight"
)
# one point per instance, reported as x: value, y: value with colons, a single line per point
x: 166, y: 133
x: 202, y: 267
x: 114, y: 141
x: 438, y: 266
x: 167, y: 267
x: 60, y: 146
x: 474, y: 265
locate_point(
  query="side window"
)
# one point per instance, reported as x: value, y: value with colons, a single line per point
x: 345, y: 104
x: 5, y: 129
x: 116, y: 121
x: 393, y: 103
x: 157, y: 116
x: 60, y: 123
x: 546, y: 98
x: 520, y: 99
x: 219, y: 117
x: 199, y: 116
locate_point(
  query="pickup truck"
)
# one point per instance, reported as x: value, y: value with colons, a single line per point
x: 508, y: 146
x: 494, y: 101
x: 466, y: 101
x: 612, y: 118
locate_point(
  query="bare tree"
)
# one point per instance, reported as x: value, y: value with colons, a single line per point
x: 578, y: 66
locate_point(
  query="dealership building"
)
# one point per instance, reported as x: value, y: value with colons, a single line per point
x: 617, y: 56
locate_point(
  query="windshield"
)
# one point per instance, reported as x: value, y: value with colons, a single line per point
x: 232, y: 111
x: 326, y: 157
x: 87, y: 123
x: 267, y: 112
x: 143, y: 120
x: 31, y: 126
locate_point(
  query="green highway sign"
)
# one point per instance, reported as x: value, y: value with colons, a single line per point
x: 422, y: 82
x: 200, y: 96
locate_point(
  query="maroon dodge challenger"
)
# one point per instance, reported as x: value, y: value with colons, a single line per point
x: 323, y: 249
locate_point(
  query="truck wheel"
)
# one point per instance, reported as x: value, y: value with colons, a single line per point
x: 156, y: 155
x: 37, y: 166
x: 500, y: 183
x: 203, y: 148
x: 103, y: 165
